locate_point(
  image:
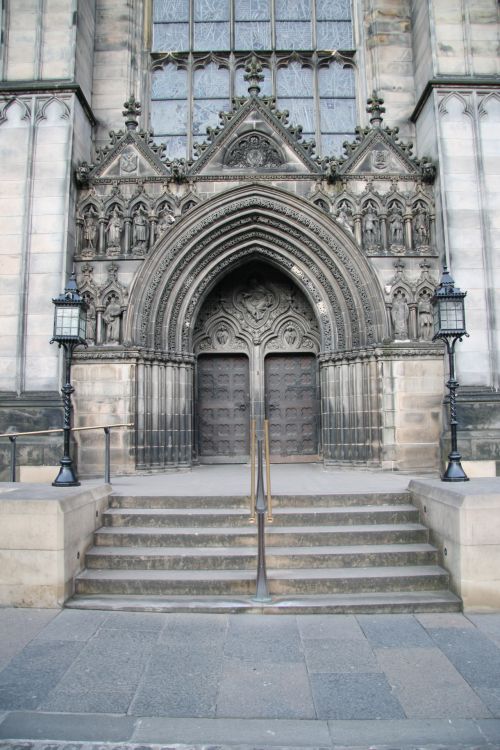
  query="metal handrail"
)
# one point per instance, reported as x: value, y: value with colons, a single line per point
x: 107, y: 436
x: 262, y: 504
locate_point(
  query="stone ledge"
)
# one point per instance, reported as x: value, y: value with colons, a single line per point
x: 44, y: 534
x: 464, y: 519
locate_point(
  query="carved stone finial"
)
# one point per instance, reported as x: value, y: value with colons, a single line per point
x: 253, y: 76
x: 375, y: 109
x: 131, y: 113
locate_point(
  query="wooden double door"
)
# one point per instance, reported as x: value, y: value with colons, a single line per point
x: 229, y: 396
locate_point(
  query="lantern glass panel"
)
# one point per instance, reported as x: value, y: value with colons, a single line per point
x: 436, y: 317
x: 67, y: 322
x: 452, y: 318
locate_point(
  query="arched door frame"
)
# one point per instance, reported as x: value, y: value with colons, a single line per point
x: 253, y: 222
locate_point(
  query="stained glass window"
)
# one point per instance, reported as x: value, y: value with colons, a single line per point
x: 317, y: 91
x: 252, y: 10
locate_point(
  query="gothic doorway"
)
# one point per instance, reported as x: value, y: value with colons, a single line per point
x: 256, y: 340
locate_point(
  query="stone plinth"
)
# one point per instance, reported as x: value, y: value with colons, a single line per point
x: 44, y: 533
x: 464, y: 519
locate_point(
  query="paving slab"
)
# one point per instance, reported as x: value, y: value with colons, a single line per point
x: 489, y: 624
x: 180, y: 681
x: 428, y: 686
x: 394, y: 631
x: 151, y: 621
x: 287, y: 479
x: 18, y: 627
x: 414, y: 733
x: 203, y: 629
x: 377, y: 680
x: 491, y: 699
x: 351, y: 696
x: 105, y: 677
x: 68, y: 626
x: 444, y: 620
x: 338, y: 627
x: 67, y: 726
x: 264, y: 690
x: 345, y: 656
x: 472, y: 653
x: 34, y: 672
x: 261, y: 639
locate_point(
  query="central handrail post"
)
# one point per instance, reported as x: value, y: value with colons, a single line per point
x: 12, y: 439
x: 252, y: 470
x: 268, y: 472
x: 107, y: 470
x: 261, y: 589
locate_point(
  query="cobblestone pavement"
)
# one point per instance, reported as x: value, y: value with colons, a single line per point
x: 82, y: 680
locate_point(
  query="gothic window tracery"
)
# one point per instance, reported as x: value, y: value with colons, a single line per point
x: 318, y: 91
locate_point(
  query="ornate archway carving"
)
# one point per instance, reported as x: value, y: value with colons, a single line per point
x: 277, y: 227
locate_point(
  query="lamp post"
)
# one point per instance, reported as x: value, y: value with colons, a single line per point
x: 449, y: 325
x: 69, y: 332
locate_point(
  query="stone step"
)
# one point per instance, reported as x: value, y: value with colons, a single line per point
x: 385, y: 602
x: 210, y: 517
x: 241, y: 501
x: 245, y: 558
x: 288, y: 536
x: 282, y: 582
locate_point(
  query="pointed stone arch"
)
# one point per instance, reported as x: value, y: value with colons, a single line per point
x: 284, y: 230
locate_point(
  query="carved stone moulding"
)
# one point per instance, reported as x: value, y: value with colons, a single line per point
x: 270, y: 221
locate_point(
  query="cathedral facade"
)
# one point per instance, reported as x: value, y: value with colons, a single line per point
x: 258, y: 198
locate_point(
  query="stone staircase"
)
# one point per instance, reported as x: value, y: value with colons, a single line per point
x: 325, y: 553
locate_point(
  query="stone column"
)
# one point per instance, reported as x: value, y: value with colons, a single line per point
x: 408, y: 231
x: 140, y: 422
x: 358, y: 234
x: 101, y: 245
x: 127, y: 249
x: 384, y: 241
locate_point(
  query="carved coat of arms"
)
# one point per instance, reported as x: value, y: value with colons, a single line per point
x: 380, y: 159
x: 128, y: 162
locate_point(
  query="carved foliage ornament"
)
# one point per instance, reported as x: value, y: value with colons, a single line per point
x: 252, y: 152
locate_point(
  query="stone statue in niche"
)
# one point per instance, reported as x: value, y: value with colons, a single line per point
x: 344, y: 216
x: 421, y: 228
x: 222, y: 335
x: 91, y: 318
x: 111, y: 317
x: 290, y: 335
x: 114, y: 231
x: 140, y: 231
x: 400, y: 313
x: 89, y: 231
x: 165, y: 221
x: 425, y: 322
x: 396, y: 229
x: 371, y: 227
